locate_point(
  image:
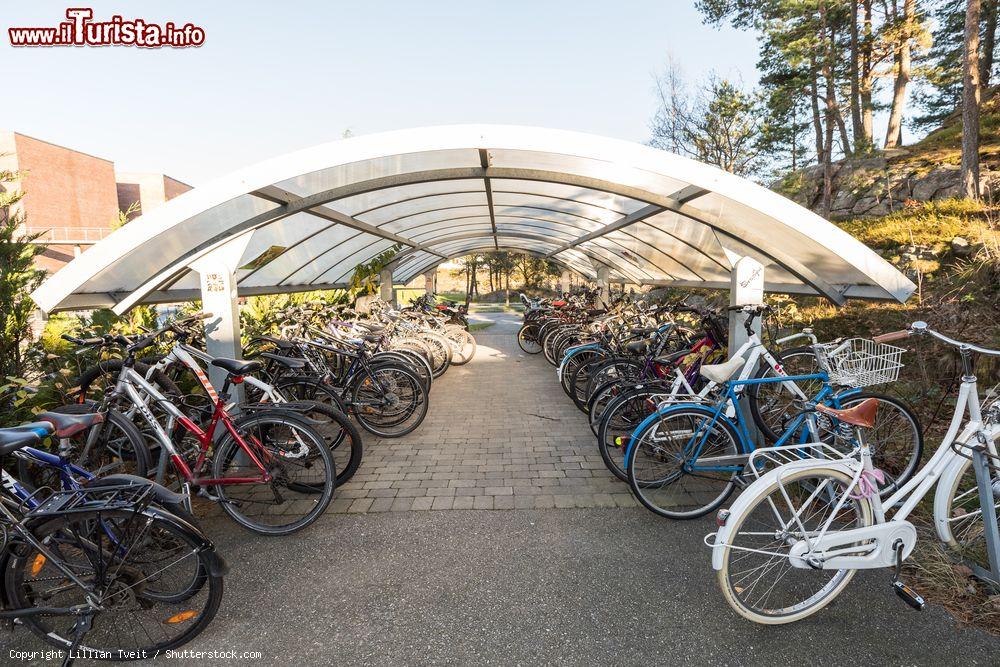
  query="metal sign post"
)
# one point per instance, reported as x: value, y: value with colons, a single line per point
x: 991, y: 533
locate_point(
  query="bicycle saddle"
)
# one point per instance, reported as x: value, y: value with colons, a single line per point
x: 237, y: 366
x: 279, y: 343
x: 288, y: 362
x: 12, y: 439
x: 66, y: 426
x: 863, y: 414
x: 719, y: 373
x: 637, y: 347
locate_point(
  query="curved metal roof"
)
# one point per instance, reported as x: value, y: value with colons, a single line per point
x: 581, y: 200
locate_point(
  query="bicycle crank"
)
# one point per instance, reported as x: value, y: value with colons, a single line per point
x: 909, y: 596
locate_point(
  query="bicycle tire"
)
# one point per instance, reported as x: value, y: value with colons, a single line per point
x: 28, y: 474
x: 318, y: 493
x: 643, y: 483
x: 27, y: 559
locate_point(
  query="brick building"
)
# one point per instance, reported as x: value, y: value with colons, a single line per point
x: 72, y: 199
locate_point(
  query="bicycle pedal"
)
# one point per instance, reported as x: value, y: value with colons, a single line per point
x: 909, y: 596
x: 202, y: 493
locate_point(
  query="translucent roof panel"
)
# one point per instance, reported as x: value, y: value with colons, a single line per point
x: 309, y: 218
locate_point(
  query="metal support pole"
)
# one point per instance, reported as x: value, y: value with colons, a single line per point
x: 430, y: 282
x: 217, y: 271
x: 746, y: 287
x: 564, y: 282
x: 386, y: 291
x: 604, y: 285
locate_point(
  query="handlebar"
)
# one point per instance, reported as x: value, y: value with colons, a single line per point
x: 919, y: 328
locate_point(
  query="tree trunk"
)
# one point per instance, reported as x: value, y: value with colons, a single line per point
x: 970, y: 102
x: 845, y: 142
x: 901, y: 59
x: 989, y: 9
x: 867, y: 82
x: 855, y: 76
x: 829, y: 119
x: 814, y: 100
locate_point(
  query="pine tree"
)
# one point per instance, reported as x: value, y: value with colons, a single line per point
x: 18, y: 278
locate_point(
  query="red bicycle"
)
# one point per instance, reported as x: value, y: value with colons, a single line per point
x: 269, y: 469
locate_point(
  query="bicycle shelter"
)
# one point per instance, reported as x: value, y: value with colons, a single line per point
x: 605, y: 209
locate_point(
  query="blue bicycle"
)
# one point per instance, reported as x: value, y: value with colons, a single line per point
x: 684, y: 460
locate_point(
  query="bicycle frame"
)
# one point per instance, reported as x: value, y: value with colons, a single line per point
x: 730, y: 402
x: 68, y: 474
x: 139, y: 391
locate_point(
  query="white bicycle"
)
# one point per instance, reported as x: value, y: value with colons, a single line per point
x: 794, y: 538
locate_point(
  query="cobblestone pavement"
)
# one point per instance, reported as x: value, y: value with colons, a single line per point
x: 500, y: 434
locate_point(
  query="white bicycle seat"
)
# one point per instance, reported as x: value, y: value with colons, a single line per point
x: 719, y: 373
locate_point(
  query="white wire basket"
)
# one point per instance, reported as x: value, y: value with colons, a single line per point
x: 860, y: 362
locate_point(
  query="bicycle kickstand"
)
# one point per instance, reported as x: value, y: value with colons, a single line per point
x: 80, y: 628
x: 909, y: 596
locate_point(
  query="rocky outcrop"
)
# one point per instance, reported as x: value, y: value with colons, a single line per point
x: 878, y: 185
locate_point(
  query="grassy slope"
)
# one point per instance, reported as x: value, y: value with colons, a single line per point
x: 943, y: 145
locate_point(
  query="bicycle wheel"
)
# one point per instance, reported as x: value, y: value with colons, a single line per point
x: 117, y: 447
x: 95, y: 381
x: 299, y: 462
x: 574, y: 363
x: 304, y: 388
x: 463, y: 345
x: 669, y: 461
x: 773, y: 404
x: 757, y: 577
x: 158, y: 586
x: 896, y: 440
x: 621, y: 369
x: 340, y: 435
x: 388, y: 400
x: 601, y: 399
x: 622, y: 417
x: 440, y: 352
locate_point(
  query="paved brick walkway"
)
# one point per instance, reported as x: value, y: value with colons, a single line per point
x: 500, y: 434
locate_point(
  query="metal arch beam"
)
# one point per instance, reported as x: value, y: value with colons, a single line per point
x: 484, y: 162
x: 405, y: 200
x: 458, y: 206
x: 626, y: 220
x: 757, y: 243
x: 475, y: 192
x: 754, y: 241
x: 281, y: 196
x: 624, y: 231
x: 558, y: 234
x: 425, y: 266
x: 576, y: 264
x: 635, y: 270
x: 353, y: 256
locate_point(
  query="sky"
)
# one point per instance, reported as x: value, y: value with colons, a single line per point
x: 273, y: 77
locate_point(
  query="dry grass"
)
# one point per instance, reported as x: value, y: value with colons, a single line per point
x: 928, y: 224
x: 941, y: 579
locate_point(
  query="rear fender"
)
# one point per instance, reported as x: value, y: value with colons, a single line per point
x: 751, y: 494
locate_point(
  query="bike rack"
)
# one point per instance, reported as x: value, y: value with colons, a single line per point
x: 984, y: 480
